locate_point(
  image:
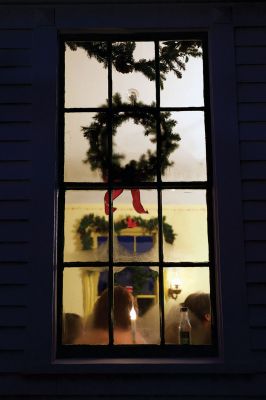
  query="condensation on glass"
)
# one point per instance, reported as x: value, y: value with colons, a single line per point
x: 134, y: 114
x: 187, y: 211
x: 85, y: 306
x: 86, y: 80
x: 136, y: 305
x: 188, y: 286
x: 78, y: 150
x: 183, y: 85
x: 135, y: 236
x: 85, y: 225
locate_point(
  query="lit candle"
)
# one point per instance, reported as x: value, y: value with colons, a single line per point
x: 133, y: 317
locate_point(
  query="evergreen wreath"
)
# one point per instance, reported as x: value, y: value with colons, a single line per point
x: 145, y: 169
x: 90, y: 223
x: 173, y: 56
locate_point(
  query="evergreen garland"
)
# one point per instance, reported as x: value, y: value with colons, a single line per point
x: 145, y: 169
x: 90, y: 223
x: 173, y: 56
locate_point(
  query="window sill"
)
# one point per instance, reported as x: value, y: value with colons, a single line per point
x: 145, y: 366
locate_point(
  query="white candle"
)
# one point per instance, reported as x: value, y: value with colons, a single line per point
x: 133, y: 317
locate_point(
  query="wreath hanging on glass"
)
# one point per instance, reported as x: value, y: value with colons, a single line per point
x: 173, y: 56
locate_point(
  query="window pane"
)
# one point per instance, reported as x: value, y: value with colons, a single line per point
x: 182, y: 66
x: 187, y: 211
x: 126, y: 78
x: 86, y: 78
x: 188, y: 285
x: 82, y: 162
x: 135, y: 234
x: 85, y: 221
x: 136, y: 287
x: 85, y: 306
x: 134, y: 147
x: 189, y: 158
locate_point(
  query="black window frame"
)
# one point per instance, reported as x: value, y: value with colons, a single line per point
x: 147, y: 350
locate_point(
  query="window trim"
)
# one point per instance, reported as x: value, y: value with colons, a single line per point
x: 235, y: 356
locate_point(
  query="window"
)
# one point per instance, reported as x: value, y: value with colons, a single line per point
x: 135, y: 232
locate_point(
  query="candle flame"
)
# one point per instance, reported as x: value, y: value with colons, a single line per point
x: 132, y: 314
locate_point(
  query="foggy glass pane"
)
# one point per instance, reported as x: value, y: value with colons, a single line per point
x: 189, y: 286
x: 134, y: 153
x: 189, y: 158
x: 86, y: 79
x: 187, y: 212
x: 136, y: 291
x: 77, y: 147
x: 183, y: 88
x: 85, y: 222
x: 124, y: 79
x: 85, y: 306
x: 135, y: 234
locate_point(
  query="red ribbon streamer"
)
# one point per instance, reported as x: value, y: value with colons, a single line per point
x: 135, y: 200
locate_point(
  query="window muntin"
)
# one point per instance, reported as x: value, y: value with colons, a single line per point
x: 179, y: 193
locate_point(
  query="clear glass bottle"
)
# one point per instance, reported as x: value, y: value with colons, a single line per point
x: 184, y: 327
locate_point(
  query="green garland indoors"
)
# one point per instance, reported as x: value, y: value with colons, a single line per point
x: 90, y: 223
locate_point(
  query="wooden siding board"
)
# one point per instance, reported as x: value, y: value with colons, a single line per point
x: 251, y: 130
x: 258, y: 339
x: 251, y: 92
x: 15, y: 190
x: 15, y: 76
x: 14, y: 170
x: 20, y: 94
x: 254, y: 190
x: 255, y: 230
x: 13, y: 295
x: 254, y: 210
x: 26, y: 17
x: 15, y: 57
x: 253, y: 170
x: 11, y: 316
x: 12, y: 230
x: 255, y: 251
x: 14, y: 252
x: 16, y: 274
x: 250, y: 36
x: 15, y: 131
x: 249, y: 55
x: 15, y: 209
x: 256, y: 272
x: 249, y: 15
x: 20, y: 151
x: 251, y: 73
x: 12, y: 338
x: 253, y: 150
x: 15, y: 38
x: 11, y: 361
x: 13, y: 112
x: 257, y: 316
x: 257, y: 293
x: 252, y: 112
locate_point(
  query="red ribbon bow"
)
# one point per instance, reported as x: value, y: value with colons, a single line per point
x: 135, y: 200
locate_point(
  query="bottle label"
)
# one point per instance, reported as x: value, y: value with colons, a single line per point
x: 184, y: 337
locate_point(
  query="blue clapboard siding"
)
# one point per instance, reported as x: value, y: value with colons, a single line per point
x: 251, y: 89
x: 15, y: 191
x: 251, y: 72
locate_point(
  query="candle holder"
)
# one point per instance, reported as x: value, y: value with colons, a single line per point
x: 174, y: 291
